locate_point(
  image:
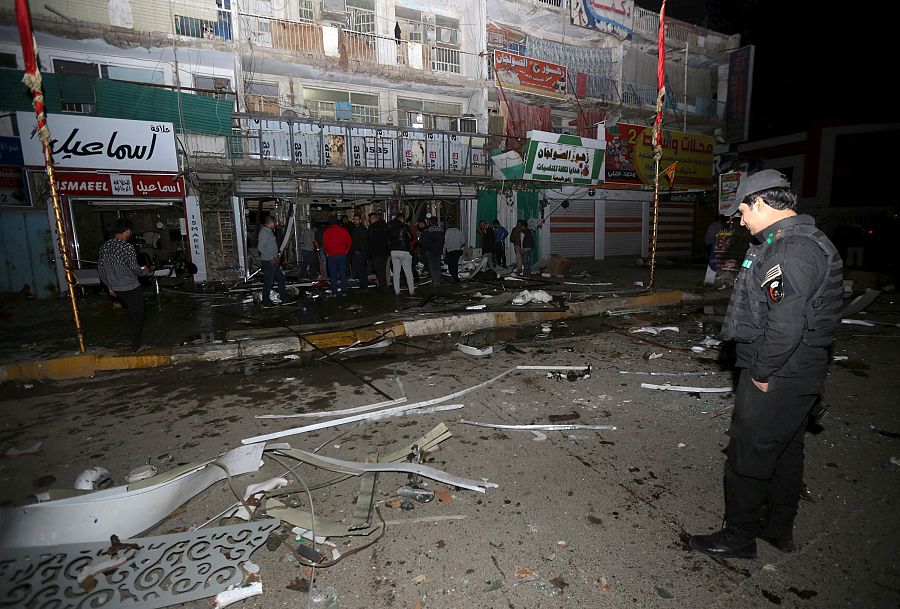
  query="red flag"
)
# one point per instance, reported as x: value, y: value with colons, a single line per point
x: 660, y: 74
x: 670, y: 172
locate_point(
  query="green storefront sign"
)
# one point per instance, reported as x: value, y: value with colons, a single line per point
x: 564, y: 159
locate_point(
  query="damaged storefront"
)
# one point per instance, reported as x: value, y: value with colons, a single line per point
x: 304, y: 172
x: 113, y: 168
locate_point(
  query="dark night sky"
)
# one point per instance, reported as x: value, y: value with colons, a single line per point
x: 813, y: 63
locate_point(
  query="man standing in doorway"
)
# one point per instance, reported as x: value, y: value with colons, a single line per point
x: 783, y: 311
x: 487, y: 242
x: 401, y: 259
x: 453, y: 243
x: 119, y: 271
x: 433, y: 244
x: 359, y: 251
x: 337, y: 243
x: 270, y: 261
x: 500, y: 235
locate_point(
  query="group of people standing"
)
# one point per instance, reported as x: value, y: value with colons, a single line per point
x: 493, y: 244
x: 351, y: 249
x: 347, y: 248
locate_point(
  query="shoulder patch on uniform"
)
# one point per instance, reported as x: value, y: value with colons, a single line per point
x: 775, y: 289
x: 771, y: 274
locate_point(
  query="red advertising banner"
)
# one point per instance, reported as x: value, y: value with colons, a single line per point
x: 520, y: 73
x: 120, y: 185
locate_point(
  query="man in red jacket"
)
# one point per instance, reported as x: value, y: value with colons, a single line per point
x: 337, y: 242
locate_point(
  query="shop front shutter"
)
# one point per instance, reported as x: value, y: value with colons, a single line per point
x: 623, y: 228
x: 572, y: 229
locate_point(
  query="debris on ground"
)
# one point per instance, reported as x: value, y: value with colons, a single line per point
x: 474, y: 350
x: 668, y: 387
x: 18, y: 452
x: 654, y: 330
x: 526, y: 296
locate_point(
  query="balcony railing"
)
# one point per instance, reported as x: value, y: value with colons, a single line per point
x: 325, y: 41
x: 646, y: 23
x: 298, y: 143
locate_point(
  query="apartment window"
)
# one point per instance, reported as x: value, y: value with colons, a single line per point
x: 75, y: 68
x: 8, y: 61
x: 321, y: 103
x: 221, y: 86
x: 424, y: 114
x: 262, y: 98
x: 443, y: 31
x: 361, y: 16
x: 220, y: 29
x: 307, y: 12
x: 144, y: 75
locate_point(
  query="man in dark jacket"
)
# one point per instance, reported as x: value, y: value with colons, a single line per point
x: 488, y: 241
x: 379, y: 248
x: 433, y: 244
x: 359, y: 251
x: 119, y: 271
x: 401, y: 241
x: 784, y: 308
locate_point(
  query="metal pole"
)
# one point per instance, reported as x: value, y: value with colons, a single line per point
x: 32, y: 80
x: 684, y: 111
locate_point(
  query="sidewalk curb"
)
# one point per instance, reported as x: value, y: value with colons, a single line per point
x: 86, y: 365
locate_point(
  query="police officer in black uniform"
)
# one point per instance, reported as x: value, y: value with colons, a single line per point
x: 783, y: 310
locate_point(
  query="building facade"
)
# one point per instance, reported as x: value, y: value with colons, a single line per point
x: 308, y: 108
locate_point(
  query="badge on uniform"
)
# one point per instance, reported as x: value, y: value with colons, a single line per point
x: 773, y: 285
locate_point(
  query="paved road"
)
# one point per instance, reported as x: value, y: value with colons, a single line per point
x: 598, y: 519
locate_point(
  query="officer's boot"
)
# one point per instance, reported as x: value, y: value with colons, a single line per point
x: 738, y: 538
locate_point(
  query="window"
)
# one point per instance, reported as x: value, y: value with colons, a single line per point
x: 220, y: 29
x: 441, y: 33
x: 361, y: 16
x: 306, y: 11
x: 222, y: 86
x: 8, y: 61
x: 424, y: 114
x: 75, y: 68
x: 262, y: 98
x: 321, y: 104
x: 143, y: 75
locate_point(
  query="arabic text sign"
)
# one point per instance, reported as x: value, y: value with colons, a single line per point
x: 629, y: 156
x: 13, y: 190
x: 88, y: 142
x: 531, y: 75
x: 610, y: 16
x: 565, y: 159
x: 116, y: 184
x: 728, y: 185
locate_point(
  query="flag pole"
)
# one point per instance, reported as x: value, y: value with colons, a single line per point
x: 32, y: 80
x: 657, y: 137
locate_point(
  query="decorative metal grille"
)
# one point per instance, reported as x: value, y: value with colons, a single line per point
x: 154, y: 571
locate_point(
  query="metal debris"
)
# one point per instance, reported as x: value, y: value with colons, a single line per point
x: 654, y: 330
x: 145, y: 573
x: 861, y: 302
x: 356, y: 469
x: 123, y: 510
x: 540, y: 427
x: 474, y: 350
x: 361, y: 417
x: 237, y: 593
x: 668, y: 387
